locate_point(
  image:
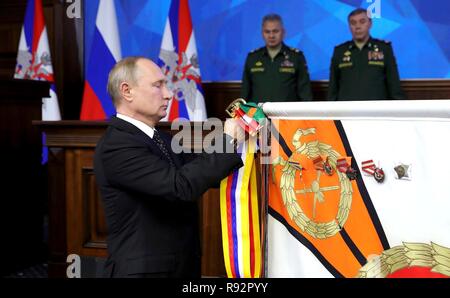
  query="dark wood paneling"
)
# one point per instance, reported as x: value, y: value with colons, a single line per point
x: 427, y: 89
x: 11, y: 19
x: 12, y: 11
x: 218, y: 95
x: 56, y: 216
x: 66, y: 45
x: 81, y: 206
x: 22, y: 188
x: 70, y: 186
x: 68, y: 60
x: 7, y: 64
x: 94, y: 223
x: 414, y: 89
x: 211, y: 235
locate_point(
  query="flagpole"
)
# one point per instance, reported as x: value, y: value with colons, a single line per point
x: 264, y: 204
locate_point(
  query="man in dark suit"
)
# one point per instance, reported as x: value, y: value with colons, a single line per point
x: 148, y: 192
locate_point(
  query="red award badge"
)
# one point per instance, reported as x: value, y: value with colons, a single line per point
x: 321, y: 165
x: 343, y: 166
x: 369, y: 167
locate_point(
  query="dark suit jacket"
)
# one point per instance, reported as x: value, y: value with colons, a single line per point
x: 150, y: 207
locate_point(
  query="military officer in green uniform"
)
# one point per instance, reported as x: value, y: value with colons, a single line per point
x: 275, y: 72
x: 363, y: 68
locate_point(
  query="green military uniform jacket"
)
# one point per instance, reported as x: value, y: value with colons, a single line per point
x: 367, y: 74
x: 285, y: 78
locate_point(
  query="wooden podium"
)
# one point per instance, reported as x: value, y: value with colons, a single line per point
x: 22, y: 194
x: 76, y: 219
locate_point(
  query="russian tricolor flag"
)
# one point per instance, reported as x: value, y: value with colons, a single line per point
x: 34, y: 60
x: 179, y: 62
x: 104, y: 54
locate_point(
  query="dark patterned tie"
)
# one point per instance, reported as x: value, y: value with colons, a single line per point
x: 162, y: 146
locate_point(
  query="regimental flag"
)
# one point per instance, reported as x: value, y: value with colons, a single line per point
x: 179, y: 62
x: 240, y: 218
x: 325, y: 226
x: 34, y: 60
x: 103, y: 55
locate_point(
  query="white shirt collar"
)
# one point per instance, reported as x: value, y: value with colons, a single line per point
x: 148, y: 130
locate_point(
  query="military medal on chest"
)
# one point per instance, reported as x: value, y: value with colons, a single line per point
x: 347, y: 56
x: 287, y: 62
x: 376, y: 54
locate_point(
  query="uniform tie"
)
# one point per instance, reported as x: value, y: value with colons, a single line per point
x: 162, y: 146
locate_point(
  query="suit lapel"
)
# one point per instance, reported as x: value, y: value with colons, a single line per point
x: 128, y: 127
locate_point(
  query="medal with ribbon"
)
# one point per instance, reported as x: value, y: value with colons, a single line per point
x: 369, y: 167
x: 343, y: 166
x: 321, y: 165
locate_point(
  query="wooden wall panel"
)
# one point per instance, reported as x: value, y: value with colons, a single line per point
x: 57, y: 226
x: 93, y: 220
x: 84, y: 236
x: 66, y: 45
x: 68, y: 59
x: 11, y: 19
x: 211, y: 235
x: 427, y: 89
x: 218, y: 95
x: 71, y: 147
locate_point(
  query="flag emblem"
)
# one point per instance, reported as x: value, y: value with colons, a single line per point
x: 33, y: 69
x: 182, y: 76
x: 179, y: 62
x: 313, y: 151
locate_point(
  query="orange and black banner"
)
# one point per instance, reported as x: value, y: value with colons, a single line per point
x: 330, y: 214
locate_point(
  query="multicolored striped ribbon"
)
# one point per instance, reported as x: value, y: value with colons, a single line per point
x: 368, y: 167
x: 240, y: 218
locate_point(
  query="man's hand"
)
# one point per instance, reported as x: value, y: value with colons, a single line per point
x: 234, y: 130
